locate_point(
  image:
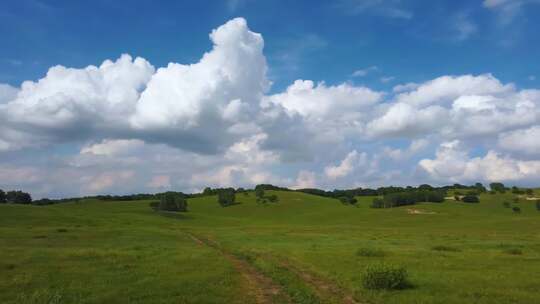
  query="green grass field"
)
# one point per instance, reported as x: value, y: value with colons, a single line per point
x: 303, y: 249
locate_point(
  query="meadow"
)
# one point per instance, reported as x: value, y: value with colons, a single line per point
x: 302, y: 249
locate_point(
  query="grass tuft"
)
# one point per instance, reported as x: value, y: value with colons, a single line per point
x: 370, y: 252
x: 445, y: 248
x: 383, y: 276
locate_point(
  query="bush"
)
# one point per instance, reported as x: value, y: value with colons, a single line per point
x: 538, y: 205
x: 456, y: 197
x: 172, y: 201
x: 377, y: 203
x: 2, y: 197
x: 348, y: 200
x: 516, y: 209
x: 273, y: 198
x: 506, y: 204
x: 513, y: 251
x: 226, y: 197
x: 384, y: 277
x: 370, y: 252
x: 470, y: 199
x: 154, y: 205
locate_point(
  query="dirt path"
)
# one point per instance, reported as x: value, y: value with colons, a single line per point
x: 260, y: 288
x: 324, y: 288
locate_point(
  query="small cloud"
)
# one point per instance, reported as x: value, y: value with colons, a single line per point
x: 464, y: 27
x: 507, y: 10
x: 14, y: 62
x: 364, y: 72
x: 405, y: 87
x: 387, y: 79
x: 532, y: 78
x: 383, y: 8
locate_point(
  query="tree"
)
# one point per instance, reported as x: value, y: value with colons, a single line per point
x: 470, y: 199
x: 499, y: 187
x: 480, y: 187
x: 172, y: 201
x: 18, y: 197
x: 529, y: 192
x: 226, y: 197
x: 2, y: 197
x: 259, y: 192
x: 208, y: 191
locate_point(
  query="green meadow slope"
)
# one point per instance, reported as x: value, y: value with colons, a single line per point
x: 302, y: 249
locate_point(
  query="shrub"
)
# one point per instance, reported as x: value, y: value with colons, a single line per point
x: 516, y: 209
x: 2, y: 197
x: 529, y: 192
x: 172, y: 201
x: 538, y: 205
x: 384, y: 277
x: 470, y: 199
x: 273, y: 198
x: 513, y: 251
x: 456, y: 197
x: 154, y: 205
x: 348, y: 200
x: 377, y: 203
x: 445, y: 248
x: 506, y: 204
x: 370, y: 252
x: 226, y: 197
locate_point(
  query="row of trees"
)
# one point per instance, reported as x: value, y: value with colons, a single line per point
x: 408, y: 198
x: 15, y: 197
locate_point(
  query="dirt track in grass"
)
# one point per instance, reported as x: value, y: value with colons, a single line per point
x: 260, y: 287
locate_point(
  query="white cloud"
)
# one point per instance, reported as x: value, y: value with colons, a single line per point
x: 7, y: 93
x: 387, y: 79
x: 526, y: 141
x: 447, y: 88
x: 160, y: 182
x: 347, y: 165
x: 452, y: 163
x: 109, y: 147
x: 305, y: 179
x: 307, y: 99
x: 364, y: 72
x: 195, y: 107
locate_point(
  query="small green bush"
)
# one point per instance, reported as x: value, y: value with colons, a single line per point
x: 154, y: 205
x: 513, y: 251
x: 370, y: 252
x: 445, y: 248
x: 506, y: 205
x: 384, y: 277
x: 516, y: 209
x: 538, y: 205
x: 470, y: 199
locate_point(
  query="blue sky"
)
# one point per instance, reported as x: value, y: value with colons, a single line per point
x: 426, y: 40
x: 344, y: 93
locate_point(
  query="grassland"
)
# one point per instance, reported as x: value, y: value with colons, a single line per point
x: 303, y: 249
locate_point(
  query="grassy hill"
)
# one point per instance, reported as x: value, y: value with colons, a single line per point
x: 303, y: 249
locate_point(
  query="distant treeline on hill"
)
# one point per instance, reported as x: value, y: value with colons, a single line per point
x: 391, y: 196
